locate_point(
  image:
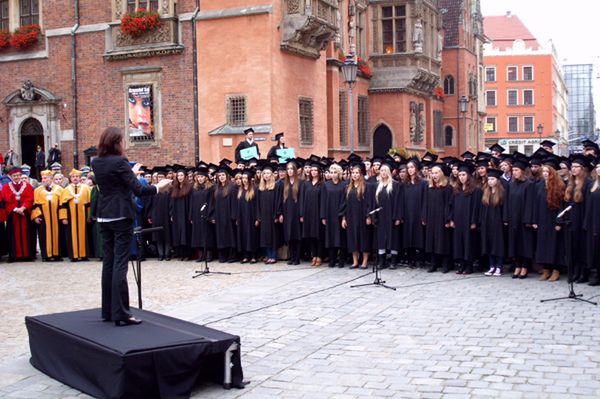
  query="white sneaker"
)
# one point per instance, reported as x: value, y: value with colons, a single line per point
x: 490, y: 272
x: 498, y: 272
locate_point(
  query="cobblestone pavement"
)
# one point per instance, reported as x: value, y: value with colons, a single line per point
x: 306, y: 334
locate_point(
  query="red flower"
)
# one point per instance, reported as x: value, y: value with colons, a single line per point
x: 139, y: 22
x: 4, y: 39
x: 438, y: 91
x: 25, y: 36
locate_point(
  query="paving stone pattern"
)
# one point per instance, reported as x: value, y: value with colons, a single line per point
x: 306, y: 334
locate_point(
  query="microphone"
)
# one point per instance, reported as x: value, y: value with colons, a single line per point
x: 139, y: 231
x: 203, y: 207
x: 565, y: 211
x: 374, y: 211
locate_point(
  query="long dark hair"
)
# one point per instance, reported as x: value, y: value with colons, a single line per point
x: 111, y: 142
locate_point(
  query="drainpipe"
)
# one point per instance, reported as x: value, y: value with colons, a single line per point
x: 74, y: 85
x: 195, y: 72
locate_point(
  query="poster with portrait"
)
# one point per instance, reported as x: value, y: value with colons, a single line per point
x: 140, y: 108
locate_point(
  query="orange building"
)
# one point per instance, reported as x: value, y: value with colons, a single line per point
x: 524, y: 89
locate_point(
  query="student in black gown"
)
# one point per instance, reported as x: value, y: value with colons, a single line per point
x: 436, y: 218
x: 279, y: 137
x: 592, y: 227
x: 332, y: 198
x: 387, y: 219
x: 246, y: 220
x: 310, y: 201
x: 466, y: 201
x: 519, y: 198
x: 224, y: 199
x: 355, y: 216
x: 180, y: 209
x: 201, y: 209
x: 492, y: 218
x: 160, y: 216
x: 289, y: 210
x: 267, y: 213
x: 549, y: 201
x: 413, y: 195
x: 578, y: 187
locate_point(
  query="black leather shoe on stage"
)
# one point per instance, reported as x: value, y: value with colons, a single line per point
x: 128, y: 322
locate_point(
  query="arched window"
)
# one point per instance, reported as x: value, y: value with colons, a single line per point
x: 449, y: 85
x: 448, y: 136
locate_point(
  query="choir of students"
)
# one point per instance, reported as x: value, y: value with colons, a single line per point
x: 486, y: 210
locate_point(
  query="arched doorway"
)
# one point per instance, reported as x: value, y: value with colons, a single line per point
x: 382, y: 140
x: 32, y: 135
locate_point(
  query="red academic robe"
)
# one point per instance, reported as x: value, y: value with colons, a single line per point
x: 18, y: 229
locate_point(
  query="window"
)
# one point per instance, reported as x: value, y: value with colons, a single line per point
x: 361, y: 39
x: 528, y: 149
x: 4, y: 22
x: 490, y: 98
x: 448, y: 136
x: 511, y: 73
x: 527, y: 73
x: 513, y: 124
x: 449, y: 85
x: 393, y: 29
x: 491, y: 124
x: 363, y: 120
x: 134, y: 5
x: 528, y: 124
x: 305, y: 112
x: 343, y: 118
x: 527, y: 97
x: 490, y: 74
x: 437, y: 129
x: 513, y: 97
x: 29, y: 12
x: 236, y: 110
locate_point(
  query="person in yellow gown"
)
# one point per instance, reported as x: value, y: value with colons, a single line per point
x: 46, y: 201
x: 74, y: 213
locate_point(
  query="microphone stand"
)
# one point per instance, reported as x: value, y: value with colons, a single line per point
x: 206, y: 271
x: 137, y: 266
x: 378, y: 282
x: 565, y: 218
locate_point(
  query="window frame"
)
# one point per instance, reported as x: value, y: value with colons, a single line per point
x: 449, y: 79
x: 495, y: 98
x: 508, y: 97
x: 7, y: 17
x: 508, y: 119
x: 362, y: 119
x: 495, y: 123
x: 343, y: 115
x: 394, y: 19
x: 229, y: 109
x: 532, y: 73
x: 306, y: 139
x: 445, y: 137
x: 508, y: 68
x: 486, y: 73
x: 14, y: 14
x: 532, y: 124
x: 532, y: 97
x: 138, y: 5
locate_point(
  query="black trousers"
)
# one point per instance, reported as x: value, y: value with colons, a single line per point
x: 117, y: 238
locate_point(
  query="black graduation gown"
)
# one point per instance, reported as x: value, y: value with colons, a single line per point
x: 519, y: 198
x: 332, y: 200
x: 290, y: 209
x: 386, y: 232
x: 577, y: 217
x: 591, y: 225
x: 550, y: 245
x: 203, y: 232
x: 223, y: 215
x: 310, y: 203
x: 465, y: 212
x: 181, y: 227
x: 273, y: 151
x: 491, y: 228
x: 355, y: 211
x: 159, y: 212
x: 436, y: 214
x: 267, y: 212
x: 413, y: 233
x: 243, y: 145
x: 245, y: 216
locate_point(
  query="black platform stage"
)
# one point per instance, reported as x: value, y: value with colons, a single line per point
x: 163, y: 357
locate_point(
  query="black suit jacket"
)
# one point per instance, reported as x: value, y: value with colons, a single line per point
x: 242, y: 146
x: 117, y: 184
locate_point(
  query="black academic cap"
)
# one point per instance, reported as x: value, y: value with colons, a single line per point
x: 249, y: 130
x: 241, y: 162
x: 202, y: 170
x: 521, y: 163
x: 494, y: 173
x: 429, y: 157
x: 535, y: 161
x: 416, y: 161
x: 497, y: 147
x: 252, y: 161
x: 495, y: 161
x: 582, y: 160
x: 273, y: 159
x: 547, y: 143
x: 223, y: 168
x: 553, y: 161
x: 212, y: 166
x: 587, y: 143
x: 160, y: 170
x: 225, y: 161
x: 343, y: 163
x: 278, y: 136
x: 540, y: 153
x: 485, y: 162
x: 314, y: 158
x: 352, y: 158
x: 376, y: 159
x: 390, y: 162
x: 466, y: 167
x: 483, y: 156
x: 249, y: 172
x: 169, y: 168
x: 266, y: 165
x: 467, y: 155
x: 444, y: 168
x: 281, y: 166
x: 179, y: 168
x: 201, y: 164
x: 507, y: 158
x: 360, y: 165
x: 566, y: 161
x: 450, y: 160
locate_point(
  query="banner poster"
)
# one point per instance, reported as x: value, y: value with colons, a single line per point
x: 140, y: 111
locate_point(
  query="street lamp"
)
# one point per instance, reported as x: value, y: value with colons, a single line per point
x: 540, y: 130
x: 350, y: 69
x: 463, y: 106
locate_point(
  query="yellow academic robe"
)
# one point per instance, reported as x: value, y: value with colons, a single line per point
x: 75, y: 207
x: 45, y: 206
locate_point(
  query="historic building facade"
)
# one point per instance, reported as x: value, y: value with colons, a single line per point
x: 186, y: 90
x: 579, y: 80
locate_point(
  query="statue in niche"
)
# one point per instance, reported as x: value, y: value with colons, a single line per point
x: 417, y: 123
x: 413, y: 119
x: 440, y: 45
x: 27, y: 92
x: 418, y: 38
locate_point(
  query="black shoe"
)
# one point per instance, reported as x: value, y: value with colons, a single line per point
x: 341, y: 265
x: 294, y: 263
x: 445, y: 269
x: 392, y: 267
x: 290, y: 262
x: 432, y: 269
x: 199, y: 260
x: 594, y: 282
x: 331, y: 264
x: 128, y: 322
x: 582, y: 279
x: 168, y: 258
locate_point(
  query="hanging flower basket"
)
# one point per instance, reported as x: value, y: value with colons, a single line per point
x: 4, y: 39
x: 364, y: 68
x: 139, y: 22
x: 25, y: 36
x: 438, y: 92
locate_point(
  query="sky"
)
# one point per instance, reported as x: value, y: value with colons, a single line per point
x: 571, y: 25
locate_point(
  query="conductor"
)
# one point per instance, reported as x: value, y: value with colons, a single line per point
x: 117, y: 183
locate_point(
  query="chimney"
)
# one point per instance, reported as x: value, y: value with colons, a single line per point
x: 508, y: 14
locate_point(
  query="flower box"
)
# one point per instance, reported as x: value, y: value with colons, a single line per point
x: 139, y: 22
x: 25, y: 36
x: 4, y: 39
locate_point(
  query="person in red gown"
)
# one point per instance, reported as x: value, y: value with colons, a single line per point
x: 18, y: 201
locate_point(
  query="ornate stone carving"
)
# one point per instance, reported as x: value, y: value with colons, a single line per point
x: 418, y: 38
x: 165, y: 7
x: 27, y: 91
x: 424, y: 82
x: 417, y: 122
x: 308, y: 29
x: 118, y: 9
x: 163, y: 34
